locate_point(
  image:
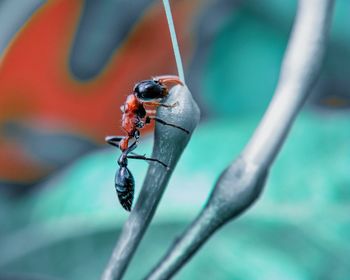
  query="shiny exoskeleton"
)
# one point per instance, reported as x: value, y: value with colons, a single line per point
x: 124, y: 180
x: 124, y: 185
x: 135, y: 117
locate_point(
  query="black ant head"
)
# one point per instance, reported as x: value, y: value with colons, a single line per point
x: 149, y: 90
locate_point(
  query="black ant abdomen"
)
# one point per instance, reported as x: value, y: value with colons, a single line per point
x: 124, y: 185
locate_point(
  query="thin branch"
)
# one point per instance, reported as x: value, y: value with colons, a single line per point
x: 169, y: 143
x: 174, y: 42
x: 242, y: 182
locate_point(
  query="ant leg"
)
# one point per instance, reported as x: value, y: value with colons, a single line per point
x: 131, y: 148
x: 114, y: 140
x: 168, y: 79
x: 121, y: 141
x: 149, y: 118
x: 125, y: 154
x: 137, y: 134
x: 151, y: 112
x: 158, y: 104
x: 135, y: 156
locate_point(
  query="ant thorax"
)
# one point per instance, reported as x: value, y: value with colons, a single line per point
x: 131, y: 105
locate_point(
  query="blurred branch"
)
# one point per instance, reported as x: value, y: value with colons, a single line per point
x: 169, y: 144
x: 241, y: 183
x: 300, y: 69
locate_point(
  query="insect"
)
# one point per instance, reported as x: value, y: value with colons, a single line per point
x: 135, y: 117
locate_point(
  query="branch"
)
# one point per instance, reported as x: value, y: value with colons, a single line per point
x: 169, y: 143
x: 242, y: 182
x: 300, y: 69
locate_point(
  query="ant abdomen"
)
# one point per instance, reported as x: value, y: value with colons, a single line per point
x: 124, y: 185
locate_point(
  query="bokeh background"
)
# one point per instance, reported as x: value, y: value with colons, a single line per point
x: 66, y: 67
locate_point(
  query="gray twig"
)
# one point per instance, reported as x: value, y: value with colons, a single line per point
x: 241, y: 183
x: 169, y: 143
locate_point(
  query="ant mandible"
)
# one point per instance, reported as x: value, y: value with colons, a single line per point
x: 135, y: 117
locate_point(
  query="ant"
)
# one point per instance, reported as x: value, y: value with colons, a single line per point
x: 135, y: 117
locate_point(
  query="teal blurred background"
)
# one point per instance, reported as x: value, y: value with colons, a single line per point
x: 64, y: 223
